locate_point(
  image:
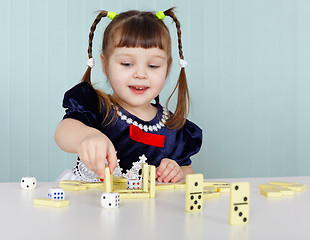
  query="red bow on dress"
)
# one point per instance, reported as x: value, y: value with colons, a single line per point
x: 151, y: 139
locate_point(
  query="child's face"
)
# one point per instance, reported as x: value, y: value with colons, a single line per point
x: 137, y: 75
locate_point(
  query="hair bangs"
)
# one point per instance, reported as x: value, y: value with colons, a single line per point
x: 144, y: 34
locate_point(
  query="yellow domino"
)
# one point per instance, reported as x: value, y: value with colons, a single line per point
x: 119, y: 179
x: 180, y: 185
x: 285, y: 191
x: 239, y: 203
x: 270, y: 192
x: 297, y: 187
x: 164, y: 186
x: 214, y: 183
x: 128, y: 190
x: 108, y: 180
x: 119, y: 186
x: 50, y: 203
x: 70, y: 181
x: 223, y: 189
x: 72, y: 186
x: 152, y: 180
x: 285, y: 184
x: 208, y: 194
x: 133, y: 195
x: 194, y: 193
x: 93, y: 184
x: 266, y: 185
x: 145, y: 177
x: 214, y: 189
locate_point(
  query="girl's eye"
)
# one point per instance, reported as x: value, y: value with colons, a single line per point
x: 126, y: 64
x: 153, y: 66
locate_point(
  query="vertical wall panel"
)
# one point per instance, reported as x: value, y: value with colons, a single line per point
x: 5, y: 62
x: 211, y: 95
x: 19, y: 89
x: 229, y: 88
x: 76, y: 55
x: 38, y: 87
x: 57, y: 73
x: 244, y: 95
x: 303, y: 103
x: 262, y: 30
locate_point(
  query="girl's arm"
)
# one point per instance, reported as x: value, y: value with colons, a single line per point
x: 91, y: 145
x: 170, y: 171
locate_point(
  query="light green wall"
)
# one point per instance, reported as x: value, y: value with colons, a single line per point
x: 248, y: 75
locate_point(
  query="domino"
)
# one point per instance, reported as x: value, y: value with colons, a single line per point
x: 194, y: 193
x: 50, y: 203
x: 285, y: 191
x: 118, y: 179
x: 119, y: 186
x: 152, y: 180
x: 133, y: 195
x: 266, y: 186
x: 164, y: 186
x: 239, y: 203
x: 297, y: 187
x: 145, y: 177
x: 108, y: 180
x: 285, y: 184
x: 278, y: 189
x: 92, y: 184
x: 214, y: 183
x: 70, y: 181
x: 180, y: 185
x: 270, y: 192
x: 210, y: 192
x: 291, y: 185
x: 128, y: 190
x: 223, y: 188
x: 72, y: 186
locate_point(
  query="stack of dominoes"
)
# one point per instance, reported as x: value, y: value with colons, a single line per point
x: 280, y: 189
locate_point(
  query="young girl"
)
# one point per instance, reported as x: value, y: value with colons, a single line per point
x: 126, y: 129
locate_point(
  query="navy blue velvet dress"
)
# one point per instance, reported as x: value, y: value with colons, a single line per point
x: 81, y: 103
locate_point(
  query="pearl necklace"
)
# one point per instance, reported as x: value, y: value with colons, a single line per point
x: 144, y: 127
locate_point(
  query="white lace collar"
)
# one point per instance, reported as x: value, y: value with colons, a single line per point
x: 155, y: 127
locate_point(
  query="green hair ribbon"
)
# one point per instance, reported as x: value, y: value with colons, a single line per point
x: 111, y: 15
x: 160, y: 15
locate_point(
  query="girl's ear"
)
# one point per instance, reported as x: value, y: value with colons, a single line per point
x: 103, y: 63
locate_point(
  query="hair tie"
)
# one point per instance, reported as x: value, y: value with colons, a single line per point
x: 91, y: 62
x: 183, y: 63
x: 111, y: 15
x: 160, y: 15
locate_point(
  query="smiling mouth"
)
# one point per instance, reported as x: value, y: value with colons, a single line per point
x: 138, y: 89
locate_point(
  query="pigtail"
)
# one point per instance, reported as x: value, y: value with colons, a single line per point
x: 87, y: 75
x: 102, y: 96
x: 178, y: 119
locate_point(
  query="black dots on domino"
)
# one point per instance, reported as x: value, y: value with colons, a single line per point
x: 237, y: 188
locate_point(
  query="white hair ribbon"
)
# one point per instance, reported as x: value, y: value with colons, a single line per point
x: 91, y: 62
x: 183, y: 63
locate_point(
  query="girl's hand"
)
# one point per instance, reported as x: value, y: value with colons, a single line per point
x: 169, y: 171
x: 94, y: 149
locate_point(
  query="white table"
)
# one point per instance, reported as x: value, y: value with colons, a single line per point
x: 161, y: 218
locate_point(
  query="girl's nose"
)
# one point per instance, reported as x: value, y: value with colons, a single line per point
x: 140, y: 73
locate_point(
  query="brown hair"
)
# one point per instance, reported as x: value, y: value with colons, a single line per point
x: 141, y: 29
